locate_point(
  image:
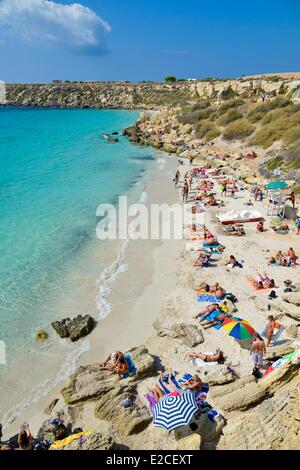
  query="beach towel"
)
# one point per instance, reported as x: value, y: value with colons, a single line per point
x: 274, y: 337
x: 200, y: 363
x: 151, y: 401
x: 264, y: 289
x: 213, y: 245
x: 69, y: 439
x: 208, y: 298
x: 183, y: 379
x: 131, y: 367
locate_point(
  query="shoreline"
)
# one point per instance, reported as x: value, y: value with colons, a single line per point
x: 88, y: 349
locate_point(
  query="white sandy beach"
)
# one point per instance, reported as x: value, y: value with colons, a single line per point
x: 160, y: 282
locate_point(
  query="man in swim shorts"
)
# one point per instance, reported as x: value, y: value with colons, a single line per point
x: 258, y: 349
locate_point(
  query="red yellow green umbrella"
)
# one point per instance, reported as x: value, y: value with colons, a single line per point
x: 238, y: 328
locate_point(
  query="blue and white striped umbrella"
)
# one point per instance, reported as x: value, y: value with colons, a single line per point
x: 173, y: 411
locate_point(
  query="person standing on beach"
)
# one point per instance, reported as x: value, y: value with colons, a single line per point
x: 177, y: 176
x: 185, y: 191
x: 291, y: 197
x: 258, y: 348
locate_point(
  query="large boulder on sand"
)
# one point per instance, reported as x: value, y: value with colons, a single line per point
x: 90, y: 382
x: 75, y: 328
x: 127, y: 420
x: 189, y: 335
x: 191, y: 442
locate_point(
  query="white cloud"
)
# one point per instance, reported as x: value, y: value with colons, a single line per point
x: 43, y: 22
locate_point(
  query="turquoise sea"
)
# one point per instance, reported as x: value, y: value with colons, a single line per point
x: 55, y: 169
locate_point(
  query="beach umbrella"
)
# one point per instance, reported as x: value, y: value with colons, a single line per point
x: 274, y: 185
x: 238, y: 328
x: 174, y: 410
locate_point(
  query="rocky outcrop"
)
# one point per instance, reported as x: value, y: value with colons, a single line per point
x: 191, y: 442
x: 74, y: 329
x: 48, y: 410
x: 209, y: 430
x: 252, y: 393
x: 90, y: 382
x: 274, y: 424
x: 95, y: 441
x: 189, y: 335
x: 127, y: 420
x: 41, y: 336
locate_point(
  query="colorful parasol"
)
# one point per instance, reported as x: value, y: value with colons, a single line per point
x: 238, y: 328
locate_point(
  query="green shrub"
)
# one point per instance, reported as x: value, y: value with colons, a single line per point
x: 170, y: 79
x: 201, y: 105
x: 231, y: 104
x: 275, y: 163
x: 228, y: 93
x: 259, y: 111
x: 204, y: 127
x: 230, y: 116
x: 292, y: 135
x: 238, y: 130
x: 212, y: 133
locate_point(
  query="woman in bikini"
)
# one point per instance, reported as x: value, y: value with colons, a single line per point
x: 207, y: 311
x: 217, y: 357
x: 215, y: 321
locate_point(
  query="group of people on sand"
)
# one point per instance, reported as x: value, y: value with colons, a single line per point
x: 214, y: 289
x: 262, y: 281
x: 284, y: 259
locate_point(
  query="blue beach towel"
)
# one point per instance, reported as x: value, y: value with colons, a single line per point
x: 131, y: 367
x: 275, y: 337
x: 177, y: 383
x: 208, y: 298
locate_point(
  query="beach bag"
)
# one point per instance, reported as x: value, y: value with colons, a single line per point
x: 231, y: 297
x: 257, y: 374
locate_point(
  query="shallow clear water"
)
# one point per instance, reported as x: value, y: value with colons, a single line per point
x: 55, y: 169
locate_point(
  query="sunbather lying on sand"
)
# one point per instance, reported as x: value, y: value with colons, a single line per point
x: 261, y: 282
x: 207, y: 311
x: 215, y: 289
x: 217, y: 357
x: 215, y: 321
x: 202, y: 260
x: 267, y: 282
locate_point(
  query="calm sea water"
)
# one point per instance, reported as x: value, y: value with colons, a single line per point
x: 55, y: 170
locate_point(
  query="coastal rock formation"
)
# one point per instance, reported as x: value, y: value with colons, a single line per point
x: 208, y: 430
x: 41, y: 336
x: 74, y: 329
x: 252, y: 393
x: 127, y: 420
x: 189, y: 335
x: 191, y: 442
x: 90, y: 382
x: 274, y: 424
x: 219, y: 377
x: 95, y: 441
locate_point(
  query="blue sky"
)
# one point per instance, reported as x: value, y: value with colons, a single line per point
x: 146, y: 39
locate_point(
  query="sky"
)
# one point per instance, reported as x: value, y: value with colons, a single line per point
x: 42, y: 40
